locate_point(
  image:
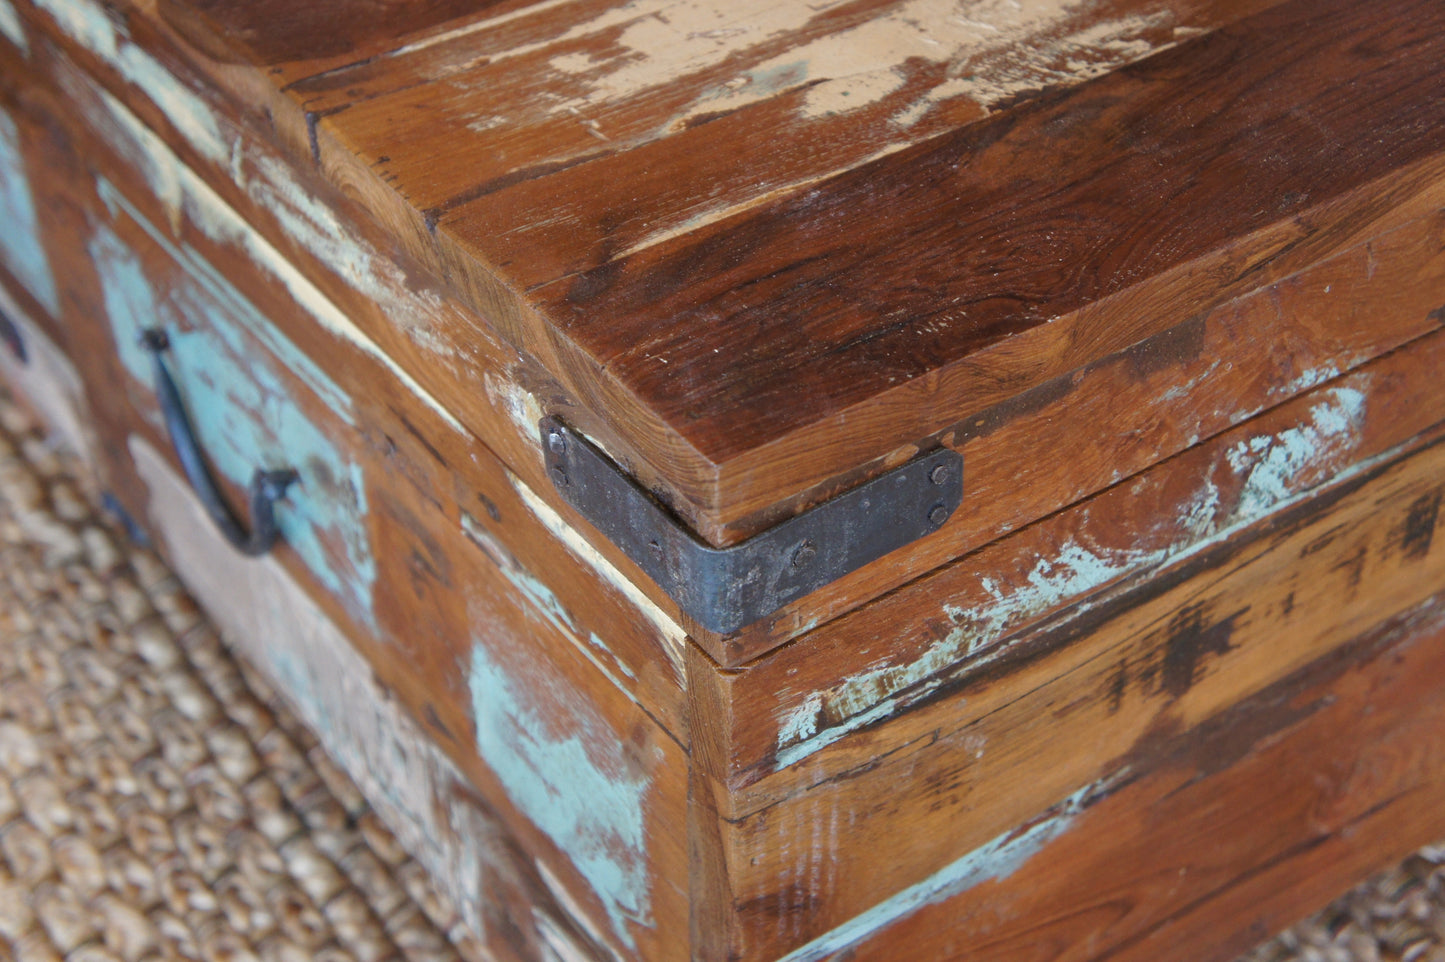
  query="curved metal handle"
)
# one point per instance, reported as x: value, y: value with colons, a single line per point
x: 266, y: 488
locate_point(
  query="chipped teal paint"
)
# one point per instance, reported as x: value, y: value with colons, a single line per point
x: 1275, y: 469
x: 997, y: 859
x: 563, y: 767
x: 223, y: 292
x: 1271, y: 464
x: 551, y: 609
x: 240, y: 408
x: 20, y: 245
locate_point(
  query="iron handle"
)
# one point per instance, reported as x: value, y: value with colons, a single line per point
x: 266, y: 488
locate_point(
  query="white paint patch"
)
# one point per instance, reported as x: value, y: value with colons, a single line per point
x: 48, y: 381
x: 315, y: 226
x: 559, y: 946
x: 1277, y: 470
x: 569, y: 904
x: 478, y: 26
x: 176, y: 184
x: 673, y: 636
x: 272, y: 623
x: 993, y: 48
x: 89, y: 24
x: 997, y: 859
x: 542, y: 604
x: 1019, y: 59
x: 521, y: 406
x: 662, y: 40
x: 11, y: 27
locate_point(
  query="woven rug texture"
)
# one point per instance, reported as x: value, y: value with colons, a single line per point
x: 159, y: 802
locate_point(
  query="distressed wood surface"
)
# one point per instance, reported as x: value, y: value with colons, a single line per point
x: 430, y: 469
x: 943, y: 279
x: 698, y: 389
x: 1096, y: 247
x: 981, y: 754
x: 560, y: 700
x: 1025, y: 458
x: 493, y: 874
x: 1240, y: 357
x: 1209, y: 839
x: 856, y: 673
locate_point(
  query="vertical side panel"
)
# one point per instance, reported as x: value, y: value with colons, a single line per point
x: 21, y: 249
x: 423, y: 796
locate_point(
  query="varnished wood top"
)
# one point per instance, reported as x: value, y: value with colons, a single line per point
x: 772, y: 244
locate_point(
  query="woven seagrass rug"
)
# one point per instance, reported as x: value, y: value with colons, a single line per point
x: 158, y: 802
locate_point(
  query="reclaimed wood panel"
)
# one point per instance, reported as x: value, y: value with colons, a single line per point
x: 1027, y: 457
x: 497, y: 876
x: 1068, y: 702
x: 559, y: 700
x: 437, y: 479
x: 861, y: 670
x: 1255, y: 353
x: 669, y: 442
x: 1210, y: 839
x: 941, y: 280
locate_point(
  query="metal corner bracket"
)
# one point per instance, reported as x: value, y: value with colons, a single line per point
x: 725, y: 589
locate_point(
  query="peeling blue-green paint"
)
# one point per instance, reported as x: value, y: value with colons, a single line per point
x: 550, y: 608
x: 19, y: 224
x: 996, y: 859
x: 564, y: 768
x: 1275, y: 469
x: 1272, y: 464
x: 240, y: 407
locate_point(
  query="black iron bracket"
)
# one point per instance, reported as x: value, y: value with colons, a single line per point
x: 724, y: 589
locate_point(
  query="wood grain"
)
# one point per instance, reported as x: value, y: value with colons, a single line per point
x: 1027, y: 457
x: 432, y: 563
x: 874, y: 664
x: 703, y: 479
x: 440, y: 475
x: 1068, y: 704
x: 1217, y: 837
x: 946, y: 278
x: 1263, y: 350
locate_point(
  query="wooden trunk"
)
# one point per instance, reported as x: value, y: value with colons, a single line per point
x: 626, y: 354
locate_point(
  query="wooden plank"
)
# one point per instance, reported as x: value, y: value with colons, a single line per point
x: 431, y: 484
x: 1068, y: 704
x: 861, y: 670
x: 529, y: 689
x: 815, y: 334
x: 515, y: 888
x: 1217, y: 370
x: 589, y: 793
x: 211, y: 163
x: 707, y: 484
x: 1238, y: 359
x: 627, y: 96
x: 1211, y: 839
